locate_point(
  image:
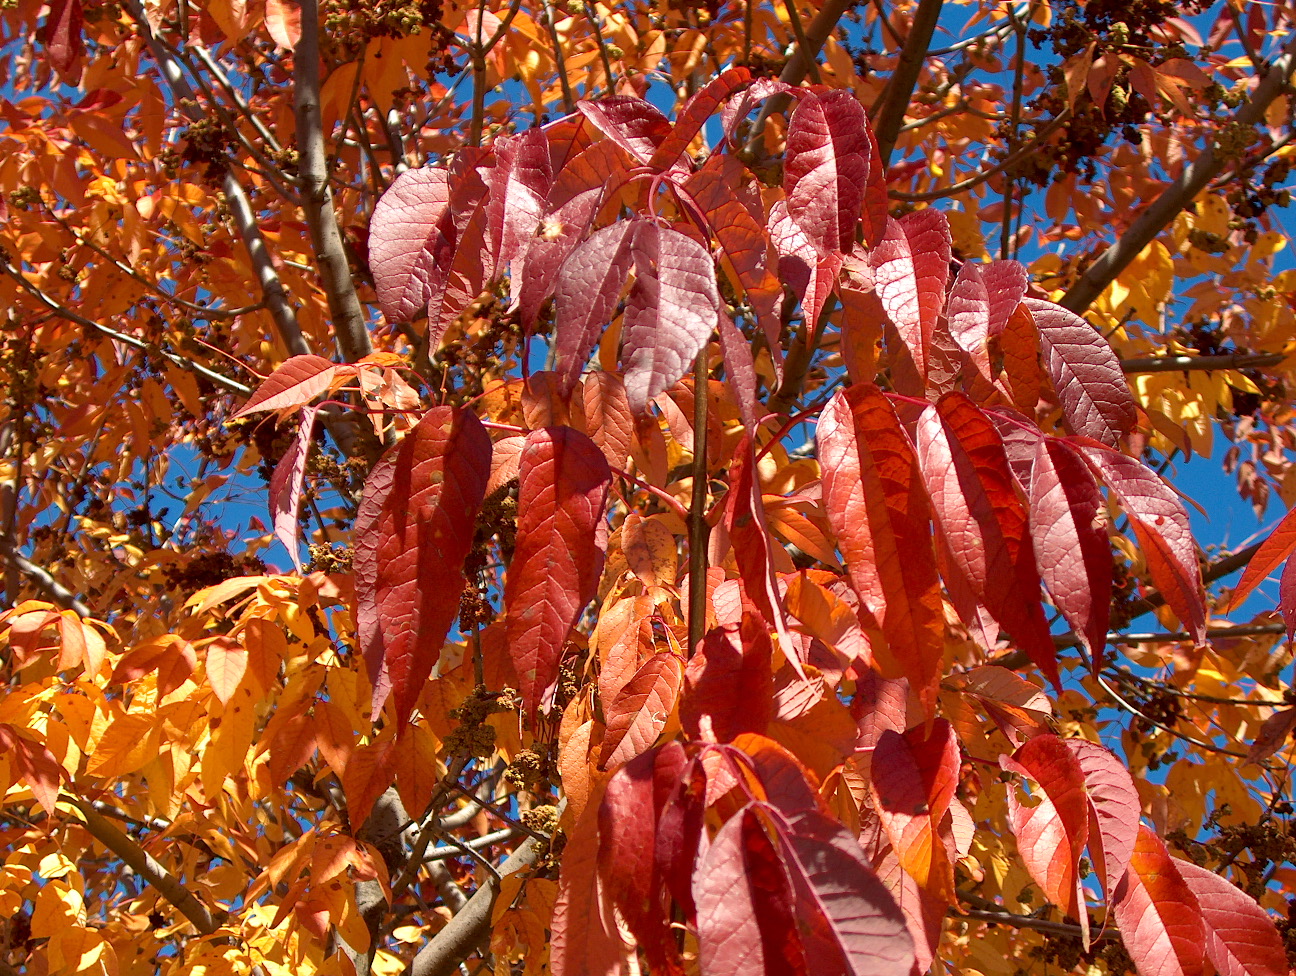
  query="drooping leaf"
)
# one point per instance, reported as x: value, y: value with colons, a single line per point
x: 414, y: 529
x: 1051, y: 834
x: 878, y: 509
x: 639, y: 712
x: 811, y: 276
x: 1114, y: 802
x: 911, y: 266
x: 520, y: 184
x: 1287, y: 597
x: 227, y: 661
x: 1068, y: 531
x: 826, y: 168
x: 297, y: 382
x: 1163, y: 531
x: 1274, y: 734
x: 563, y: 480
x: 737, y: 109
x: 634, y: 124
x: 742, y: 240
x: 693, y: 116
x: 1018, y: 707
x: 561, y: 230
x: 1086, y: 373
x: 1160, y: 918
x: 64, y: 46
x: 848, y: 920
x: 286, y: 486
x: 679, y: 832
x: 983, y: 521
x: 1241, y: 939
x: 588, y: 286
x: 914, y: 776
x: 740, y: 369
x: 729, y: 686
x: 671, y: 312
x: 584, y: 931
x: 981, y: 301
x: 1277, y: 546
x: 411, y: 242
x: 34, y: 764
x: 606, y: 413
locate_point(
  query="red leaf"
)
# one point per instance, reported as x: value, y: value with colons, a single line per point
x: 1163, y: 531
x: 1052, y: 834
x: 873, y: 217
x: 914, y: 777
x: 811, y: 276
x: 847, y: 919
x: 737, y: 109
x: 740, y: 370
x: 1240, y: 936
x: 742, y: 240
x: 368, y: 773
x: 561, y: 230
x: 563, y: 482
x: 411, y: 242
x: 627, y: 846
x: 744, y: 914
x: 1115, y: 804
x: 983, y: 521
x: 911, y: 265
x: 607, y: 416
x: 413, y: 530
x: 1160, y: 918
x: 671, y: 312
x: 1274, y: 732
x: 636, y: 125
x: 586, y: 292
x: 679, y: 832
x: 693, y: 116
x: 981, y: 301
x: 296, y: 382
x: 826, y: 168
x: 878, y: 509
x: 35, y: 766
x: 744, y: 519
x: 61, y: 36
x: 1068, y: 530
x: 729, y: 685
x: 584, y: 937
x: 1280, y: 544
x: 1287, y: 596
x: 638, y: 713
x: 1086, y: 373
x: 286, y: 486
x: 519, y: 185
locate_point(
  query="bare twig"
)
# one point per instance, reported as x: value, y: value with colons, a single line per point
x: 317, y: 200
x: 1175, y: 364
x: 1179, y: 193
x: 697, y: 523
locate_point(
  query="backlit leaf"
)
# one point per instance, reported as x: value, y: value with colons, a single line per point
x: 411, y: 242
x: 1160, y: 919
x: 1240, y: 936
x: 586, y: 292
x: 295, y: 383
x: 826, y: 168
x: 639, y: 712
x: 911, y: 264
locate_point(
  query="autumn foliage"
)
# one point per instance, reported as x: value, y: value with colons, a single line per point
x: 712, y: 468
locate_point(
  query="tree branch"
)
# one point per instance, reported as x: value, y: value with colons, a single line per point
x: 465, y: 932
x: 1175, y: 364
x: 317, y: 200
x: 43, y: 581
x: 899, y: 90
x: 143, y: 864
x: 1179, y: 193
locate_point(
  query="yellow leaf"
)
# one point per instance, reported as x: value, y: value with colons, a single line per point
x: 226, y: 663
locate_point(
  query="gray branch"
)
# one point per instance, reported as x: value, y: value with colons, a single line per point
x: 900, y: 87
x: 317, y: 200
x: 1180, y: 193
x: 1176, y: 364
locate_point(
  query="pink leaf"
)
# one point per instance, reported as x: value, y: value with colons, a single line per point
x: 283, y: 21
x: 671, y: 312
x: 693, y: 116
x: 519, y: 185
x: 634, y: 124
x: 740, y: 370
x: 411, y: 242
x: 1160, y: 918
x: 1086, y: 374
x: 560, y: 232
x: 1241, y: 939
x: 296, y: 382
x: 563, y: 482
x: 826, y: 168
x: 413, y: 530
x: 286, y: 486
x: 61, y: 35
x: 983, y: 521
x: 737, y: 109
x: 1072, y: 551
x: 911, y: 267
x: 1114, y: 803
x: 811, y: 276
x: 638, y: 713
x: 586, y: 293
x: 1163, y: 531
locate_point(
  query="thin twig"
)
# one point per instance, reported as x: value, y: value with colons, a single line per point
x: 697, y: 523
